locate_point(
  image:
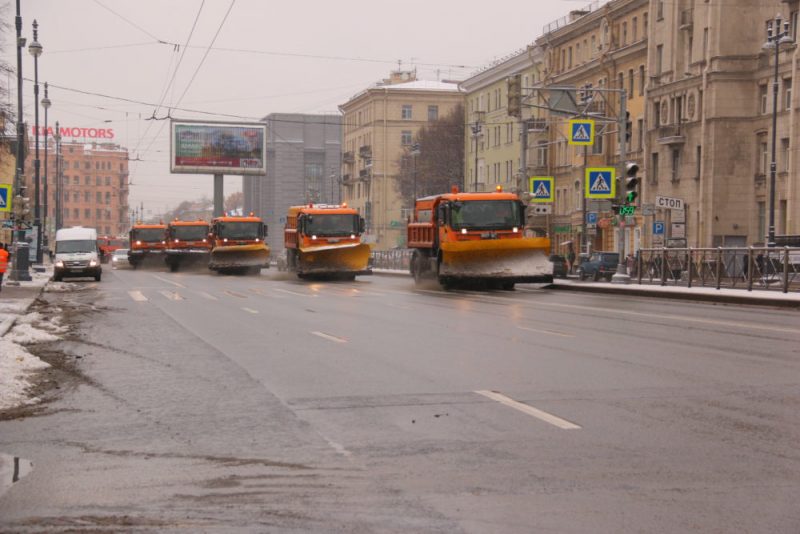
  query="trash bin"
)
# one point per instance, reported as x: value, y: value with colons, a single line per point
x: 22, y: 262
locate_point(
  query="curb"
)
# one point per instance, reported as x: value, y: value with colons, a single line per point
x: 390, y: 272
x: 726, y: 299
x: 8, y: 324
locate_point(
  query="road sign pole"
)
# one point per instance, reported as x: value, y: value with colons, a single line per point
x: 622, y: 276
x: 583, y: 197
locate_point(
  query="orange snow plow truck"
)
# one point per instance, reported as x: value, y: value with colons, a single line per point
x: 476, y: 237
x: 147, y: 244
x: 325, y: 240
x: 237, y: 245
x: 187, y: 244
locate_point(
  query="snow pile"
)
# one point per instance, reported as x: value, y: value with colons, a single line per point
x: 52, y: 326
x: 64, y: 287
x: 16, y: 366
x: 26, y: 334
x: 14, y: 306
x: 37, y: 279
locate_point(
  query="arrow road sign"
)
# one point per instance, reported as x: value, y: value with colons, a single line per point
x: 5, y: 197
x: 581, y: 132
x: 600, y: 182
x: 541, y: 188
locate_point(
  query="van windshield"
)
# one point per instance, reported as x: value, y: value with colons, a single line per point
x: 76, y: 245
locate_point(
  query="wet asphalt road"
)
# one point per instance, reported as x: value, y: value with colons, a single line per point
x: 212, y: 403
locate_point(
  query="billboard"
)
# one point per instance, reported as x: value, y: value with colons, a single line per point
x: 201, y: 147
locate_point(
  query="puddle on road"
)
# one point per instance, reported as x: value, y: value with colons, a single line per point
x: 12, y: 469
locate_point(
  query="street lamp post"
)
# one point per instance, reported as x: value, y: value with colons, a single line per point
x: 46, y: 103
x: 35, y: 49
x: 59, y: 194
x: 777, y: 35
x: 415, y: 153
x: 476, y: 133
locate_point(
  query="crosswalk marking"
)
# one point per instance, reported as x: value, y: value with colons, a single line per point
x: 171, y: 295
x: 137, y: 296
x: 294, y: 292
x: 329, y: 337
x: 169, y: 281
x: 235, y: 294
x: 250, y: 310
x: 530, y: 410
x: 209, y: 296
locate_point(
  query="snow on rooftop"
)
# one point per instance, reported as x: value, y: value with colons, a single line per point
x: 422, y: 85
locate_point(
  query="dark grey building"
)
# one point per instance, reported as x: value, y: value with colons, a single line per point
x: 303, y: 162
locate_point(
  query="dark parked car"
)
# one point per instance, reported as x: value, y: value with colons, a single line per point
x: 559, y: 266
x: 599, y: 265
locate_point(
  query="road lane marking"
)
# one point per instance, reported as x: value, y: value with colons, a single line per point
x: 296, y: 293
x: 329, y: 337
x: 169, y: 281
x: 530, y: 410
x: 137, y: 296
x: 250, y: 310
x: 209, y: 296
x: 235, y: 294
x: 171, y: 295
x: 551, y: 332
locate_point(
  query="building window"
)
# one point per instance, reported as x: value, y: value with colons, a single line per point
x: 98, y: 213
x: 406, y: 112
x: 785, y: 146
x: 97, y: 181
x: 76, y: 213
x: 641, y: 80
x: 541, y: 154
x: 75, y: 164
x: 763, y: 156
x: 624, y: 33
x: 699, y: 162
x: 597, y: 147
x: 631, y: 80
x: 762, y: 226
x: 762, y: 99
x: 659, y: 9
x: 787, y: 93
x: 594, y: 45
x: 76, y: 180
x: 635, y: 29
x: 569, y: 55
x: 108, y: 180
x: 509, y: 132
x: 405, y: 138
x: 654, y: 168
x: 87, y: 165
x: 87, y: 213
x: 659, y: 58
x: 620, y: 81
x: 87, y: 180
x: 87, y: 196
x: 645, y: 20
x: 640, y: 134
x: 433, y: 113
x: 98, y: 197
x: 676, y: 164
x: 76, y: 197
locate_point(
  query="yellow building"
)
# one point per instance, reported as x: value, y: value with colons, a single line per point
x: 379, y: 125
x: 601, y: 52
x: 8, y: 163
x: 492, y: 140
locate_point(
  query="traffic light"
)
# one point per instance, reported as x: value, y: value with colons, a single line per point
x: 615, y: 208
x: 631, y: 182
x: 514, y: 87
x: 628, y: 128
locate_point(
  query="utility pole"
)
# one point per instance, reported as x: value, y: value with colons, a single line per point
x: 621, y: 276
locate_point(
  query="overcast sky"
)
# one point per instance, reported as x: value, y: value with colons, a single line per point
x: 268, y: 56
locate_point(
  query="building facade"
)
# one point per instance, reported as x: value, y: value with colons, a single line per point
x: 379, y: 126
x: 303, y: 162
x: 94, y: 185
x: 709, y: 125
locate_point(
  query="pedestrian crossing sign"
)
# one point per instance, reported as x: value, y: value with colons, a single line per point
x: 541, y: 188
x: 5, y: 197
x: 600, y: 182
x: 581, y: 132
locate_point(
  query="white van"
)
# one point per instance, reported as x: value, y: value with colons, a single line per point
x: 77, y: 253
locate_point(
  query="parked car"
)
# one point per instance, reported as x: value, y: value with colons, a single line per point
x: 119, y: 258
x: 599, y: 265
x: 559, y: 266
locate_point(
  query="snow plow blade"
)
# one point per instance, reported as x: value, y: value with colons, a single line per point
x: 239, y: 257
x: 350, y: 258
x: 509, y: 260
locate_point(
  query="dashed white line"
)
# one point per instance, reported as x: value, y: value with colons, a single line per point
x: 169, y: 281
x: 293, y: 292
x: 530, y: 410
x: 209, y: 296
x: 329, y: 337
x: 235, y: 294
x: 171, y: 295
x: 138, y: 296
x: 250, y: 310
x: 551, y: 332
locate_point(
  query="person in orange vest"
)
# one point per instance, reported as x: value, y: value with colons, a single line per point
x: 3, y: 262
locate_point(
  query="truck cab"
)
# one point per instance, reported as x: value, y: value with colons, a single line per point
x: 187, y: 242
x: 147, y: 242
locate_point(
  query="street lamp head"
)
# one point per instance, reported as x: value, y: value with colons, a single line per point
x: 35, y: 48
x: 46, y: 103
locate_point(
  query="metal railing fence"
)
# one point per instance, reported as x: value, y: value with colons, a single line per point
x: 395, y: 259
x: 772, y: 268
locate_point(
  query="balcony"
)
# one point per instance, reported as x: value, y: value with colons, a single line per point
x: 347, y: 179
x: 348, y: 157
x: 365, y: 151
x: 537, y: 125
x: 364, y: 174
x: 670, y: 135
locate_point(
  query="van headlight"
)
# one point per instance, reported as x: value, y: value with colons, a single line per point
x: 59, y: 263
x: 92, y: 263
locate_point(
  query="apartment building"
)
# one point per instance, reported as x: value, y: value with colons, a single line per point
x: 379, y: 126
x: 303, y: 163
x: 601, y: 52
x: 709, y: 133
x: 94, y: 185
x: 492, y: 140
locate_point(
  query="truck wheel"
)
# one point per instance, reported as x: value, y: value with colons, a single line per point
x: 173, y: 267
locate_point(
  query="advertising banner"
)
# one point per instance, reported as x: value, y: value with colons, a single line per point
x: 218, y: 148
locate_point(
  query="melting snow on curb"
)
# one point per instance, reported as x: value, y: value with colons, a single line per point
x: 16, y: 366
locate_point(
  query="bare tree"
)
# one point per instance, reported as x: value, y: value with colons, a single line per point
x: 439, y: 160
x: 234, y: 201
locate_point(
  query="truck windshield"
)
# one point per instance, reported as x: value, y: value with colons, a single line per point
x: 148, y: 235
x: 76, y: 245
x: 240, y: 230
x: 189, y: 233
x: 485, y: 214
x: 331, y: 224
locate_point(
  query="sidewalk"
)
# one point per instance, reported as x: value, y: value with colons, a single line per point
x: 16, y: 299
x: 757, y: 297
